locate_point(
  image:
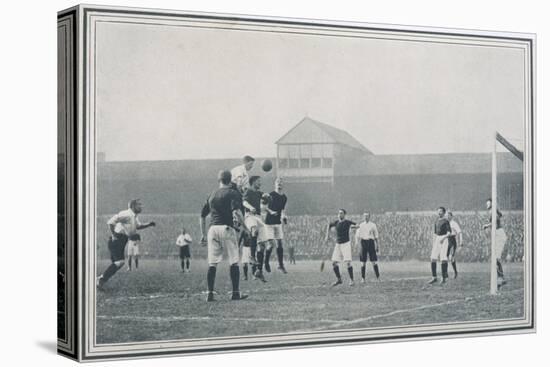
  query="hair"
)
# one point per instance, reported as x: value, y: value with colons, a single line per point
x: 132, y: 203
x: 442, y: 208
x: 253, y: 179
x: 247, y: 159
x: 450, y: 213
x: 489, y: 199
x: 278, y: 180
x: 344, y: 210
x: 224, y: 176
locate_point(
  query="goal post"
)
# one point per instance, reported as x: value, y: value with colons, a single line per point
x: 499, y: 140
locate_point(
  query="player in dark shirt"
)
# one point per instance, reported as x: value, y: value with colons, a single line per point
x: 274, y: 220
x: 253, y: 221
x: 500, y: 241
x: 440, y: 245
x: 224, y: 208
x: 342, y: 248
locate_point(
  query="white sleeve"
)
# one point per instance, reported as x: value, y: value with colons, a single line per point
x: 188, y: 238
x: 179, y: 241
x: 114, y: 219
x: 375, y: 231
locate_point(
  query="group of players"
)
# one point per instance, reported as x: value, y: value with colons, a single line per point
x: 248, y: 224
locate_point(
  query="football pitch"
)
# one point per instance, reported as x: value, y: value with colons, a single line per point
x: 159, y: 302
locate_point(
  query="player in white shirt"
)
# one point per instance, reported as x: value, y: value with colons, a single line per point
x: 239, y: 174
x: 455, y: 239
x: 184, y: 242
x: 367, y: 234
x: 122, y: 226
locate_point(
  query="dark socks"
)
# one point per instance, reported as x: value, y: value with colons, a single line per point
x: 453, y: 263
x: 260, y: 260
x: 234, y: 274
x: 245, y: 270
x: 500, y: 271
x: 182, y: 265
x: 136, y: 262
x: 268, y: 255
x: 336, y: 269
x: 187, y: 263
x: 210, y: 278
x: 350, y: 272
x: 280, y: 256
x: 363, y: 271
x: 130, y: 262
x: 444, y: 267
x: 109, y: 272
x: 376, y: 271
x: 434, y: 269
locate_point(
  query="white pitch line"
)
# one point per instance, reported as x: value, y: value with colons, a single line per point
x: 205, y: 318
x: 396, y: 312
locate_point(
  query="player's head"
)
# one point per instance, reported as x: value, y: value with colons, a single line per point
x: 366, y: 216
x: 489, y: 203
x: 183, y: 231
x: 449, y: 215
x: 255, y: 182
x: 342, y: 213
x: 441, y: 211
x: 248, y: 162
x: 279, y: 184
x: 135, y: 205
x: 224, y: 177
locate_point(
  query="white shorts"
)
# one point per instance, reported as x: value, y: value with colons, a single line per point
x: 133, y: 248
x: 342, y: 252
x: 274, y: 231
x: 245, y: 255
x: 439, y: 250
x: 254, y: 220
x: 500, y: 242
x: 222, y: 237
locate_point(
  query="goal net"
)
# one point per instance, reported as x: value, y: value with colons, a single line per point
x: 506, y: 197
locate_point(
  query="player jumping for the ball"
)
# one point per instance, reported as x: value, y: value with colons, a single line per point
x: 500, y: 241
x: 123, y: 226
x: 342, y: 247
x: 253, y: 221
x: 440, y: 244
x: 368, y: 236
x: 224, y: 207
x: 274, y: 221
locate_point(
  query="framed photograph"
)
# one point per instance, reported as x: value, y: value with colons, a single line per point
x: 231, y: 182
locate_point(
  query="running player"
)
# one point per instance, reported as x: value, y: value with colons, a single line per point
x: 274, y: 221
x: 440, y: 244
x: 133, y: 250
x: 500, y: 241
x: 368, y: 236
x: 184, y: 242
x: 123, y: 225
x: 253, y: 221
x: 455, y: 239
x: 224, y: 207
x: 342, y: 248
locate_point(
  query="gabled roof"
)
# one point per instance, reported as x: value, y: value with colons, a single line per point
x: 310, y: 131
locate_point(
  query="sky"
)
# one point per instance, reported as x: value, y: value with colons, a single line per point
x: 168, y: 93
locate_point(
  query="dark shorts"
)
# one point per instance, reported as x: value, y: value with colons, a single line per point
x: 368, y: 250
x: 451, y: 250
x: 184, y: 252
x: 117, y: 247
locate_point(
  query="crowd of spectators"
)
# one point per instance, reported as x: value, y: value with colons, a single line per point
x: 403, y: 236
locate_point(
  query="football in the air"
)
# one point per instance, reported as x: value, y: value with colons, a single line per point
x: 267, y: 165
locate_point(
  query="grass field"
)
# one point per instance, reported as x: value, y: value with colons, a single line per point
x: 158, y: 302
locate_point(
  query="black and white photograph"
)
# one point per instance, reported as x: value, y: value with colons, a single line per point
x: 231, y: 182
